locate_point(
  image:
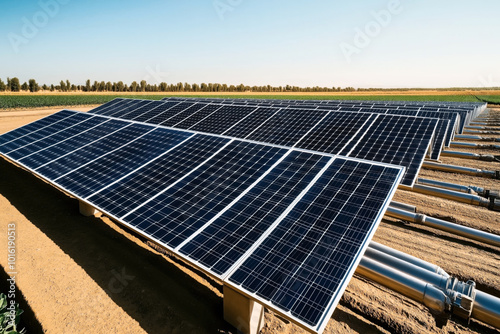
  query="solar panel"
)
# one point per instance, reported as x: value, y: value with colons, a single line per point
x: 439, y: 140
x: 397, y: 140
x: 286, y: 127
x: 222, y: 120
x: 291, y: 270
x: 175, y: 186
x: 334, y: 132
x: 289, y: 126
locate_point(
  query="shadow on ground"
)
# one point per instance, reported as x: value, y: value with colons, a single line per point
x: 152, y: 290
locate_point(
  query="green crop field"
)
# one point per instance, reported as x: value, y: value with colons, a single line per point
x: 33, y: 101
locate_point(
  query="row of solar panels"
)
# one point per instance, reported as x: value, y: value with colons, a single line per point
x: 464, y: 113
x: 282, y: 225
x: 445, y: 131
x: 392, y: 139
x: 409, y: 105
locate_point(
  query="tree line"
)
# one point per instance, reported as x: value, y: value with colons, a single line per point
x: 14, y: 85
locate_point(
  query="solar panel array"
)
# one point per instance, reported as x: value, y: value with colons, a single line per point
x: 393, y: 139
x: 465, y: 111
x: 285, y: 225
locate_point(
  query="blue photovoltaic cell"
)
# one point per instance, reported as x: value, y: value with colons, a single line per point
x: 198, y: 116
x: 122, y: 104
x: 250, y: 123
x: 301, y: 267
x: 41, y: 133
x: 185, y: 207
x: 57, y: 137
x: 223, y: 119
x: 92, y: 151
x: 225, y: 240
x: 87, y: 180
x: 439, y: 139
x: 141, y: 110
x: 71, y: 144
x: 183, y: 110
x: 103, y: 107
x: 334, y: 132
x: 126, y: 195
x: 124, y: 110
x: 287, y: 126
x: 164, y: 111
x: 398, y: 140
x: 34, y: 126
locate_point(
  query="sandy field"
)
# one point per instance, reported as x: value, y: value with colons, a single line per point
x: 88, y: 275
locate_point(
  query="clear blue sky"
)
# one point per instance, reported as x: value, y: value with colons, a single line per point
x: 420, y: 44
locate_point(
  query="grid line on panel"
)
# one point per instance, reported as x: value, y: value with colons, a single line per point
x: 222, y: 120
x: 33, y: 126
x: 190, y: 204
x: 63, y: 148
x: 303, y: 263
x: 397, y: 140
x: 57, y: 137
x: 163, y: 111
x: 38, y: 130
x: 439, y: 140
x: 99, y: 173
x: 123, y: 197
x: 197, y: 117
x: 334, y: 132
x: 286, y: 127
x: 226, y: 239
x: 92, y: 151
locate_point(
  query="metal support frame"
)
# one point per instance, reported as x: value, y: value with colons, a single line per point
x: 87, y: 210
x: 246, y: 315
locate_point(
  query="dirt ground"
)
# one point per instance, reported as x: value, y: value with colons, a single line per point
x: 88, y: 275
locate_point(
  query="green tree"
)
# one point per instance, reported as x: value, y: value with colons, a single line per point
x: 68, y: 85
x: 33, y: 85
x: 62, y: 84
x: 120, y: 87
x: 52, y: 88
x: 3, y: 86
x: 45, y: 87
x: 109, y: 86
x: 24, y: 86
x: 14, y: 85
x: 143, y: 85
x: 87, y: 85
x: 133, y: 86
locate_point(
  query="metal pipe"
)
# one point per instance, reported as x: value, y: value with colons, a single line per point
x: 486, y: 193
x: 481, y: 131
x: 479, y: 127
x: 443, y: 296
x: 446, y: 185
x: 486, y: 309
x: 425, y: 269
x: 461, y: 169
x: 403, y: 283
x: 464, y: 231
x: 404, y: 206
x: 475, y: 137
x: 474, y: 145
x: 452, y: 195
x: 467, y: 155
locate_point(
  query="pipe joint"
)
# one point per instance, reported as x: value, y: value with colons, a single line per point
x: 461, y: 296
x: 494, y: 204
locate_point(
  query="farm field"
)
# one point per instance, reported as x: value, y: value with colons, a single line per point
x: 37, y: 100
x: 69, y: 265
